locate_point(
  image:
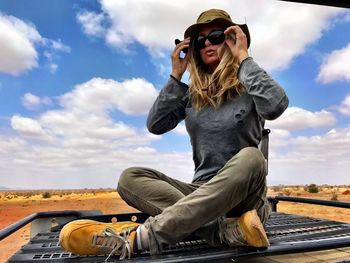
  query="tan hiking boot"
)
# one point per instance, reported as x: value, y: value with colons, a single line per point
x: 89, y: 237
x: 247, y: 230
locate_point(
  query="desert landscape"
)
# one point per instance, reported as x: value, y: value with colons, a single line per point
x: 15, y: 205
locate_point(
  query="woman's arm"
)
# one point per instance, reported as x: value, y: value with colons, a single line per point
x: 169, y: 108
x: 269, y: 97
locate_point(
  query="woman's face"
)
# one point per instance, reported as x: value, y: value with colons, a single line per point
x: 209, y: 53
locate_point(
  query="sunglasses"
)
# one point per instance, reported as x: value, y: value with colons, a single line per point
x: 215, y: 38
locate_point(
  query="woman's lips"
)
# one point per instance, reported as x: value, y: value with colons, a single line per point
x: 209, y: 52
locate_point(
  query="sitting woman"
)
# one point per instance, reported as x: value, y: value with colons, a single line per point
x: 224, y: 107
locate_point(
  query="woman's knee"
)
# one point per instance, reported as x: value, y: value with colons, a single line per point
x: 129, y: 176
x: 252, y: 157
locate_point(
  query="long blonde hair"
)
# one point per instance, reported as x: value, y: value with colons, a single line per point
x: 213, y: 88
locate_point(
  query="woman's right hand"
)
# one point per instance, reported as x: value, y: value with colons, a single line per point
x: 179, y: 64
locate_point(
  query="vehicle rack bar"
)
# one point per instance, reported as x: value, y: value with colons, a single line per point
x: 274, y: 200
x: 21, y: 223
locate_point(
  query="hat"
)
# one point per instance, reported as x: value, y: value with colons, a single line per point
x: 216, y: 16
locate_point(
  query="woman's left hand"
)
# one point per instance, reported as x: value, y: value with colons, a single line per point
x: 238, y: 45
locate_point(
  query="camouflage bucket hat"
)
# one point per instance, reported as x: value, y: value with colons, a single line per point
x: 215, y: 16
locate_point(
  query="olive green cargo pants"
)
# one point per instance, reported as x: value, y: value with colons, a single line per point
x: 178, y: 209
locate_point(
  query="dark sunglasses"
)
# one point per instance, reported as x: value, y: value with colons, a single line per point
x: 215, y: 38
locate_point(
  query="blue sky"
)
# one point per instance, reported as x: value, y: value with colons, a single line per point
x: 78, y: 78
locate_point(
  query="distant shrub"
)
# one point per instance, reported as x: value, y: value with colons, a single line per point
x: 287, y: 192
x: 277, y: 188
x: 334, y: 196
x: 46, y: 195
x: 312, y: 188
x: 346, y: 192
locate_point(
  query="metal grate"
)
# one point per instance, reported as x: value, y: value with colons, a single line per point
x: 51, y: 256
x: 50, y: 245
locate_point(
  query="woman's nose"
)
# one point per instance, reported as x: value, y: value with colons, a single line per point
x: 207, y: 42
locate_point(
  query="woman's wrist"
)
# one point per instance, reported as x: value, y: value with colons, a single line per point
x: 242, y: 56
x: 176, y: 75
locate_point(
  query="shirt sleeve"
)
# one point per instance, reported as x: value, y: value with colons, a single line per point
x: 269, y: 97
x: 169, y: 108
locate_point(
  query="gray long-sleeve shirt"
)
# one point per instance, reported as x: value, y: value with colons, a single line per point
x: 218, y: 134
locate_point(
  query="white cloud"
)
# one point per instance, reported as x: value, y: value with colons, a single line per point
x: 53, y: 68
x: 84, y: 119
x: 92, y: 23
x: 82, y: 138
x: 145, y: 150
x: 58, y: 45
x: 317, y: 159
x: 132, y: 97
x: 336, y: 66
x: 17, y: 45
x: 278, y: 138
x: 85, y: 145
x: 8, y: 145
x: 181, y: 129
x: 31, y: 101
x: 345, y: 106
x: 53, y: 48
x: 27, y: 127
x: 85, y: 111
x: 295, y: 118
x: 277, y: 37
x: 79, y: 144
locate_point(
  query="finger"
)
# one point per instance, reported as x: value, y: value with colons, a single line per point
x: 236, y: 30
x: 240, y: 36
x: 181, y: 47
x: 233, y: 29
x: 183, y: 44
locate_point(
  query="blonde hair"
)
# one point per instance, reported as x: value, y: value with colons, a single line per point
x: 213, y: 88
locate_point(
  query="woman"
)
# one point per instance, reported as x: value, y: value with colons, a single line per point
x: 224, y: 106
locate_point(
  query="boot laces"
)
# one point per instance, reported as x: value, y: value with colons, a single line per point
x: 118, y: 242
x: 230, y: 232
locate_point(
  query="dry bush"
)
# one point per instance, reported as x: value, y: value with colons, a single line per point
x: 277, y: 188
x: 313, y: 188
x: 334, y: 196
x: 287, y: 192
x: 46, y: 195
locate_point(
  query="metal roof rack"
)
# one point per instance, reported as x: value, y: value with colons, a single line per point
x: 287, y: 234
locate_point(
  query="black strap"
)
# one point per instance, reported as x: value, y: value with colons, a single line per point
x: 264, y: 145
